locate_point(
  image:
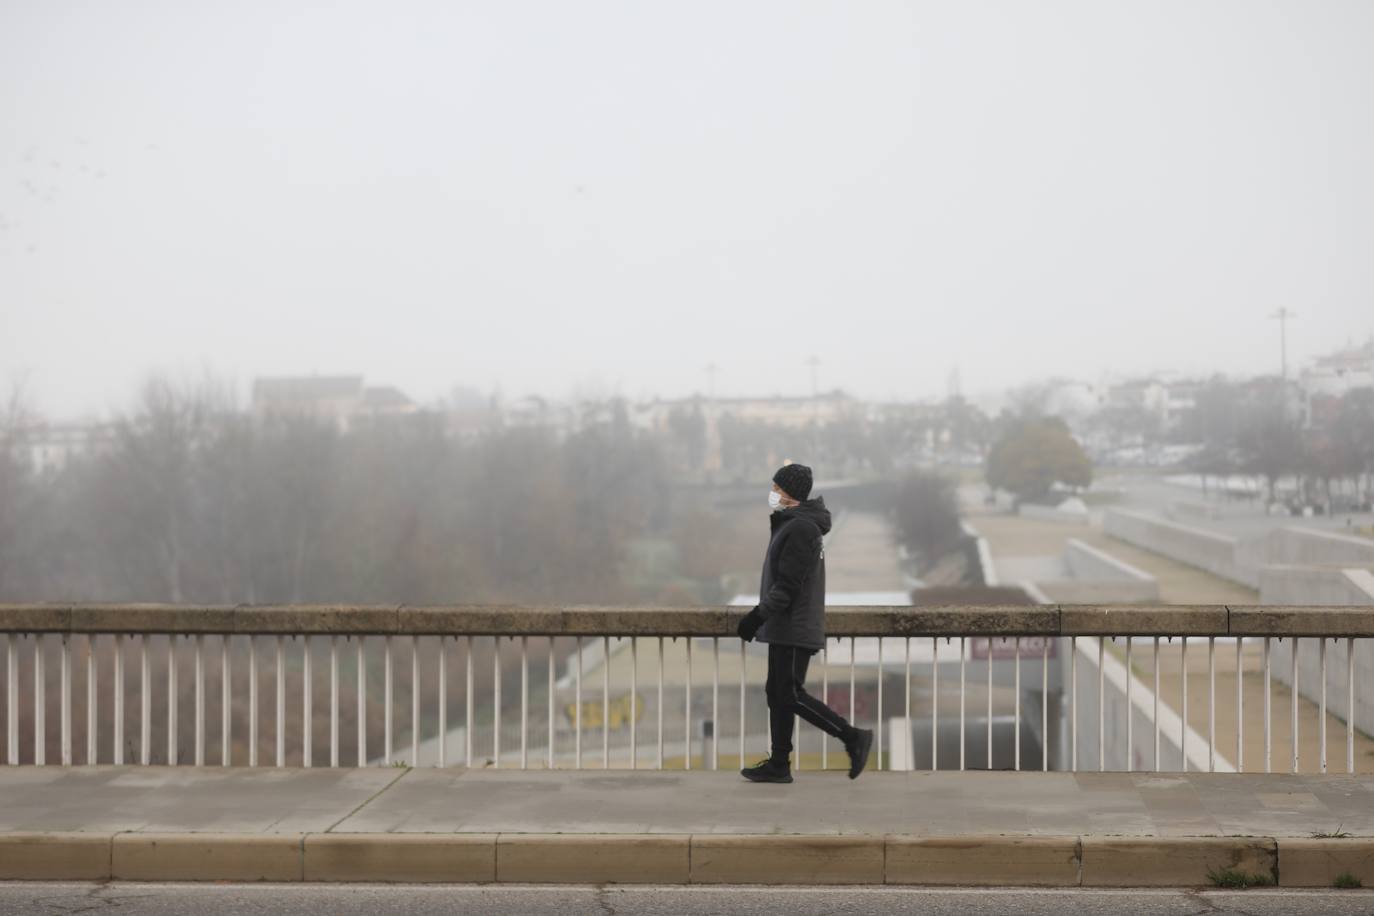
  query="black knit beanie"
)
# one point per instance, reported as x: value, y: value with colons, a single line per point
x: 795, y: 480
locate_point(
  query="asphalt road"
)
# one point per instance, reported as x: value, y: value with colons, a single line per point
x: 43, y: 899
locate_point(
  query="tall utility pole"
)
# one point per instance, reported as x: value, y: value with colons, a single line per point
x: 1282, y: 315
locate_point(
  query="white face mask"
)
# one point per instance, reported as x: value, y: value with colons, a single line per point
x: 774, y: 500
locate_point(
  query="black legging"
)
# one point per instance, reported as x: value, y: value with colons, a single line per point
x: 787, y: 696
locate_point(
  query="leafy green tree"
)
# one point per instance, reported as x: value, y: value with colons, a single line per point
x: 1033, y: 454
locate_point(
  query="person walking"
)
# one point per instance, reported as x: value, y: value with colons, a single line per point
x: 790, y: 617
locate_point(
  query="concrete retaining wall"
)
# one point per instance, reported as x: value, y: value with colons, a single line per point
x: 1342, y: 586
x: 1113, y: 718
x: 1215, y: 553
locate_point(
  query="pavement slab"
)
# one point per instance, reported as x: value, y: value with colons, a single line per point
x: 921, y: 803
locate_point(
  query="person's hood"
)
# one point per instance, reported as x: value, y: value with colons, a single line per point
x: 813, y: 509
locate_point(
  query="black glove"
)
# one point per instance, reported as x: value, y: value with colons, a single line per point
x: 749, y: 624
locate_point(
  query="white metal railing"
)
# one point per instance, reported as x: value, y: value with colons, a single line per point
x: 1071, y: 646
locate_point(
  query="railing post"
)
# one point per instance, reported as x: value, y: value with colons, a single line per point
x: 334, y: 699
x: 91, y: 756
x: 253, y: 701
x: 443, y: 701
x: 386, y: 702
x: 11, y: 701
x: 1240, y: 707
x: 551, y: 673
x: 307, y: 686
x: 467, y: 673
x: 225, y: 728
x: 1350, y: 704
x: 40, y: 705
x: 1294, y: 666
x: 145, y: 696
x: 65, y: 708
x: 715, y: 705
x: 118, y: 702
x: 524, y: 700
x: 1156, y: 702
x: 1130, y: 711
x: 1016, y: 706
x: 414, y: 700
x: 606, y: 699
x: 200, y: 701
x: 361, y: 654
x: 281, y: 702
x: 172, y: 749
x: 1321, y: 717
x: 1268, y: 762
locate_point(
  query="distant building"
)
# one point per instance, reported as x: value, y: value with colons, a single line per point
x: 47, y: 448
x: 706, y: 414
x: 340, y: 400
x: 1336, y: 373
x: 1166, y: 401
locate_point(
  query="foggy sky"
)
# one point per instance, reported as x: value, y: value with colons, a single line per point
x: 605, y: 197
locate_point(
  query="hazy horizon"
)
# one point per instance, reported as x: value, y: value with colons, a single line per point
x: 609, y: 197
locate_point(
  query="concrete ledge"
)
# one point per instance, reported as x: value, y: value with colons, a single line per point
x: 983, y: 860
x: 592, y: 858
x: 152, y: 618
x: 315, y: 618
x: 955, y: 620
x: 1171, y: 861
x: 35, y: 618
x: 787, y: 859
x: 1143, y: 620
x: 1280, y: 620
x: 54, y: 857
x: 401, y: 857
x: 206, y: 857
x: 1316, y: 863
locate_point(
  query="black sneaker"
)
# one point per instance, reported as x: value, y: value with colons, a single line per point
x: 858, y: 751
x: 767, y: 771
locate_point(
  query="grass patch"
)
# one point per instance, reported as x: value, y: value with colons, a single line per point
x: 1337, y: 834
x: 1346, y: 881
x: 1234, y: 877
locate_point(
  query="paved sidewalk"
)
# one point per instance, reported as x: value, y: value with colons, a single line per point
x: 921, y: 803
x: 651, y: 827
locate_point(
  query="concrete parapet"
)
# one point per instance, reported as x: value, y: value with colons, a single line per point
x: 983, y: 860
x: 1307, y: 862
x: 841, y: 621
x: 315, y: 618
x: 1143, y: 620
x: 402, y: 857
x: 54, y: 857
x: 782, y: 859
x: 593, y: 858
x: 1270, y: 620
x: 35, y: 618
x: 206, y: 856
x: 1172, y: 861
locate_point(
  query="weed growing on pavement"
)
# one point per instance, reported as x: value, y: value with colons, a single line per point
x: 1234, y: 877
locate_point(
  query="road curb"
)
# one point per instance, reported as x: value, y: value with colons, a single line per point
x: 796, y: 859
x: 54, y: 856
x: 206, y: 856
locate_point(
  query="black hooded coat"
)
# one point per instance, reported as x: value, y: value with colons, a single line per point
x: 792, y: 587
